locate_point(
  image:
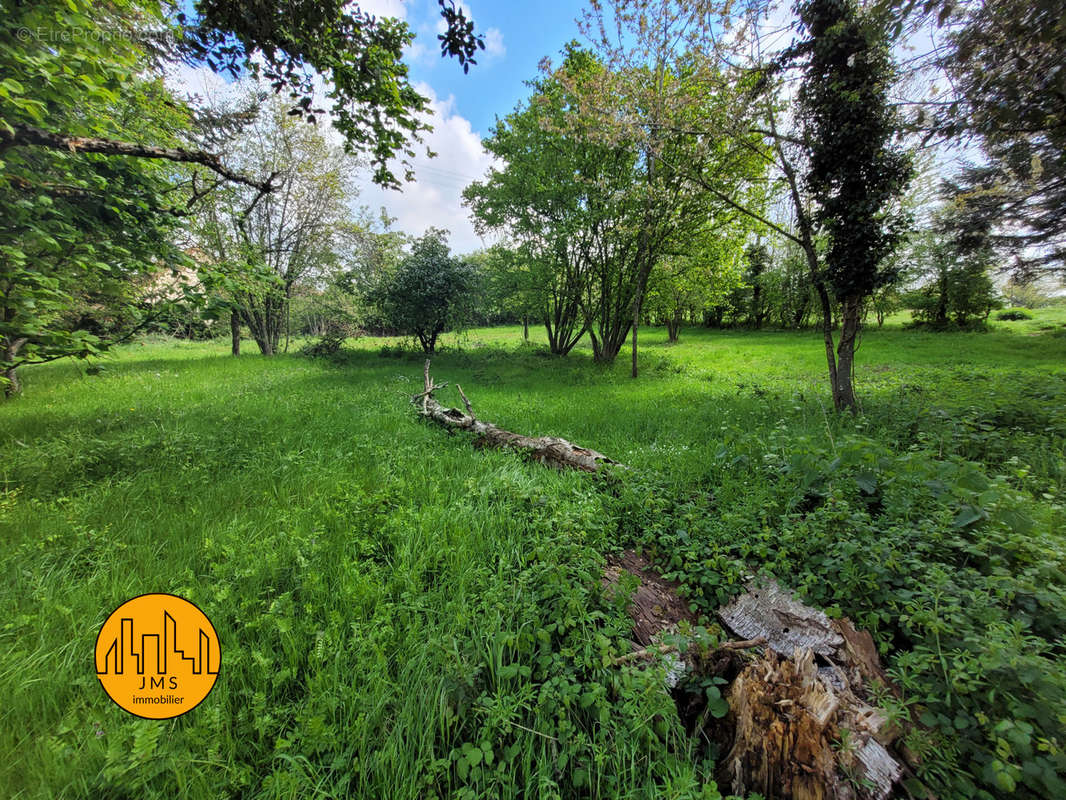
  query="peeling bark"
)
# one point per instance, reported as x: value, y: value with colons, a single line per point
x: 655, y: 606
x: 549, y: 450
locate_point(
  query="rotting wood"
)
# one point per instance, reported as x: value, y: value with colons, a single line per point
x: 789, y: 711
x: 548, y: 450
x: 795, y: 736
x: 655, y: 606
x: 799, y: 724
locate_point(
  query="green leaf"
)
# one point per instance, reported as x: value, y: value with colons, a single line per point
x: 967, y: 516
x: 867, y: 481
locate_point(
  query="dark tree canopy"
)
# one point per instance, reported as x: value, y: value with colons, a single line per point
x: 1006, y: 69
x: 430, y: 292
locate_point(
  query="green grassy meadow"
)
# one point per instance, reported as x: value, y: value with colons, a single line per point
x: 404, y: 616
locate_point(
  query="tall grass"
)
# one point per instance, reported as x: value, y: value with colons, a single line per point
x: 391, y: 600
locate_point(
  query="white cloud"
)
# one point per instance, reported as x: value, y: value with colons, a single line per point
x: 184, y: 81
x: 434, y: 199
x: 494, y: 46
x: 385, y: 8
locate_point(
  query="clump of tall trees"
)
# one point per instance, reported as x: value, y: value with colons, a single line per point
x: 101, y: 165
x: 605, y: 216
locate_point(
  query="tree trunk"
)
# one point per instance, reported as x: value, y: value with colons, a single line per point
x: 942, y: 300
x: 597, y: 348
x: 636, y: 324
x: 673, y: 327
x: 12, y: 387
x: 235, y: 332
x: 843, y: 380
x: 549, y: 450
x: 525, y: 328
x: 11, y: 349
x: 827, y: 338
x: 288, y: 320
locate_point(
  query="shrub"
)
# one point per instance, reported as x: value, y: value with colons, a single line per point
x: 329, y: 343
x: 430, y: 293
x: 1014, y: 314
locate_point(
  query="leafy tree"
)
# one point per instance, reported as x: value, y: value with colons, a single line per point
x: 1004, y: 60
x: 957, y: 289
x: 660, y: 96
x: 758, y: 263
x: 788, y: 293
x: 855, y: 173
x: 268, y: 246
x: 841, y: 156
x: 557, y: 196
x: 509, y: 289
x: 683, y: 285
x: 430, y: 293
x: 96, y: 156
x: 374, y: 105
x: 886, y: 301
x: 82, y: 235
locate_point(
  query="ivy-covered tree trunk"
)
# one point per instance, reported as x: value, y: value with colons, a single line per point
x: 843, y: 383
x: 235, y: 332
x: 856, y: 170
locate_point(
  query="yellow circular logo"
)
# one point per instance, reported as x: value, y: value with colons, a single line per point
x: 157, y: 656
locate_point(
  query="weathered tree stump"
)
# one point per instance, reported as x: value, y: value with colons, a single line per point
x: 802, y: 729
x: 798, y: 726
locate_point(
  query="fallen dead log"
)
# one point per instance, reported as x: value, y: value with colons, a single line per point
x: 549, y: 450
x: 655, y: 606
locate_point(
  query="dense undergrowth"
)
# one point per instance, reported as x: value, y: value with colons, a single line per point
x: 404, y: 616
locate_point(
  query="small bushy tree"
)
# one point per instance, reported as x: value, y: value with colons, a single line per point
x: 430, y: 292
x: 954, y: 259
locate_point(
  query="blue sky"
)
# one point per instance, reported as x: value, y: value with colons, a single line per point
x: 518, y: 36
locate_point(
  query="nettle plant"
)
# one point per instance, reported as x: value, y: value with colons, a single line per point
x: 956, y: 572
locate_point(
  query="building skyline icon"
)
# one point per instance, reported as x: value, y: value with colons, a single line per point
x: 157, y: 650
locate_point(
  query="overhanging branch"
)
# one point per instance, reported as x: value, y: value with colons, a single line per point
x: 22, y: 135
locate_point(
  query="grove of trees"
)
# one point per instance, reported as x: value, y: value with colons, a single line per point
x: 681, y: 165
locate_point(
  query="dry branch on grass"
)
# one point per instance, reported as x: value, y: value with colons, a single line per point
x: 549, y: 450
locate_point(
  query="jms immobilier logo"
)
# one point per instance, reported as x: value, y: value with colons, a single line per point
x: 157, y: 656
